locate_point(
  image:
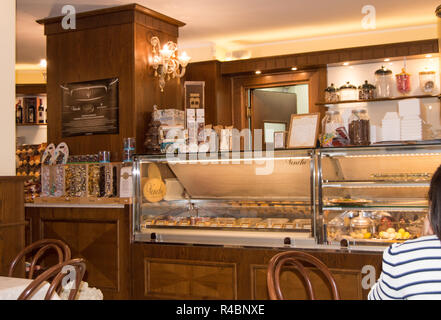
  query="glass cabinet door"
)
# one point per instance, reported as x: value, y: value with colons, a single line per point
x: 376, y: 194
x: 233, y: 192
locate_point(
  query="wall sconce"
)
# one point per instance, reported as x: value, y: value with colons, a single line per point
x: 166, y: 63
x: 43, y: 66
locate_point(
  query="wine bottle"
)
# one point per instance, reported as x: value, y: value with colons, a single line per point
x: 40, y: 111
x: 31, y: 113
x: 19, y: 112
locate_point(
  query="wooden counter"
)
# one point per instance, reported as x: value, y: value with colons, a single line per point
x: 12, y: 221
x: 201, y: 272
x: 98, y: 233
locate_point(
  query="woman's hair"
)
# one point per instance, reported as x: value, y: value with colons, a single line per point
x: 435, y: 202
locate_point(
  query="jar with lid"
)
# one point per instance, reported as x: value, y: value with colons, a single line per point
x: 361, y: 227
x: 403, y: 82
x: 348, y: 92
x: 383, y: 82
x: 359, y: 128
x: 331, y: 94
x: 330, y: 123
x: 366, y: 91
x: 427, y: 81
x: 336, y: 228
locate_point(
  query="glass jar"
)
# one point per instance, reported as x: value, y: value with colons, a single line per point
x: 383, y: 82
x: 359, y: 128
x: 366, y: 91
x: 348, y: 92
x: 330, y: 123
x: 336, y: 228
x: 403, y: 82
x: 427, y: 81
x: 331, y: 94
x: 361, y: 227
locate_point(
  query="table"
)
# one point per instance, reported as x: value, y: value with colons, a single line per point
x: 11, y: 288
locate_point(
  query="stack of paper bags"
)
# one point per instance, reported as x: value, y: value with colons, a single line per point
x: 411, y: 123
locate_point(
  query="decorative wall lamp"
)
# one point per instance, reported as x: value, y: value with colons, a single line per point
x: 166, y: 62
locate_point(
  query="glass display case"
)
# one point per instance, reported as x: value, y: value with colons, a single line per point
x: 232, y: 198
x: 375, y: 195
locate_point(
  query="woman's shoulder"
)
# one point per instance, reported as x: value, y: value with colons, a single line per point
x: 411, y: 247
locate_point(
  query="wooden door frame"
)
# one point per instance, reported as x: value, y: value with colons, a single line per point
x: 315, y: 78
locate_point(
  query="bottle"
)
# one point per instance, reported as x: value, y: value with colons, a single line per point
x: 19, y: 112
x: 40, y: 111
x: 31, y: 113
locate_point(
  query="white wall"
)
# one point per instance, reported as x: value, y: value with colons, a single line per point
x: 7, y: 87
x: 357, y: 74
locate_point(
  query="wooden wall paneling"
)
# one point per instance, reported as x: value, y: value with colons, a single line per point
x: 109, y: 43
x: 30, y: 89
x: 217, y: 91
x: 12, y: 222
x: 323, y: 58
x: 188, y: 279
x: 101, y: 236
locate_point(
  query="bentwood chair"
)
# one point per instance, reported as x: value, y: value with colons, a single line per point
x: 40, y: 248
x: 296, y: 260
x: 57, y: 273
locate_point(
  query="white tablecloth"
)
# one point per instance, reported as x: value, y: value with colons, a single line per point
x: 11, y: 288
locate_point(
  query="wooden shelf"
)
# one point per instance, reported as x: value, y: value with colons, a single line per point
x: 30, y: 124
x: 379, y: 99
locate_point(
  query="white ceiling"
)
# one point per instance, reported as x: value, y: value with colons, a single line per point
x: 236, y: 24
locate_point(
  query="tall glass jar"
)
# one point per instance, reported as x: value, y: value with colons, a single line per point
x: 383, y: 82
x: 330, y: 123
x: 359, y: 128
x: 403, y: 82
x: 427, y: 81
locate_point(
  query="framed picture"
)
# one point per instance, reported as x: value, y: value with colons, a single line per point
x: 269, y: 127
x: 90, y: 108
x: 280, y: 139
x: 194, y: 94
x: 303, y: 130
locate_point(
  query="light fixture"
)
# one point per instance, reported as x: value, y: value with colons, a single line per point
x: 43, y: 65
x: 294, y: 68
x: 346, y: 63
x: 258, y: 72
x: 428, y: 56
x: 166, y: 62
x: 386, y: 60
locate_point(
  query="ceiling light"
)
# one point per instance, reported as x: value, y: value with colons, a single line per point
x: 294, y: 68
x: 346, y: 63
x: 386, y: 60
x: 428, y: 56
x: 258, y: 72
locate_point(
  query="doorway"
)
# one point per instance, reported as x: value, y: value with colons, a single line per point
x: 271, y: 108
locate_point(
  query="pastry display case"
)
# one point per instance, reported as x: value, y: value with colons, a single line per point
x: 232, y: 198
x: 374, y: 195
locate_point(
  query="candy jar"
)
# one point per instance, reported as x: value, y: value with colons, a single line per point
x: 331, y: 94
x: 336, y: 228
x: 348, y: 92
x: 366, y: 91
x: 427, y: 81
x: 331, y: 122
x: 383, y: 82
x: 362, y: 227
x: 359, y: 128
x: 403, y: 82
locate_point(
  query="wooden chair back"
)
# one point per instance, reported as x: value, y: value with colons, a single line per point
x: 40, y: 248
x: 57, y: 273
x: 296, y: 259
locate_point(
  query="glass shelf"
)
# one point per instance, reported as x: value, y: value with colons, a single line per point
x: 377, y: 100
